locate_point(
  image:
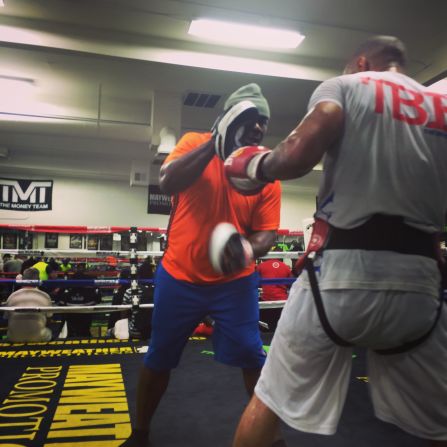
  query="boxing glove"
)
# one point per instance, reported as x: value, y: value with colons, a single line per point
x: 229, y: 251
x: 230, y: 127
x: 242, y: 169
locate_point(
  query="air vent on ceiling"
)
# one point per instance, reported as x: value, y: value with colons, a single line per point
x: 195, y: 99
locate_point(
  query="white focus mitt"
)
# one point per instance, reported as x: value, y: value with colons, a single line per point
x: 229, y: 251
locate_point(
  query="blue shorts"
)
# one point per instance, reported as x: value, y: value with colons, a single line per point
x: 179, y: 307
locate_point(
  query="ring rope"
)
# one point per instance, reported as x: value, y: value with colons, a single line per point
x: 109, y: 308
x: 114, y: 282
x: 125, y: 254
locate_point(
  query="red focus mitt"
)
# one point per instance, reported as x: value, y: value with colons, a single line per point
x: 242, y: 169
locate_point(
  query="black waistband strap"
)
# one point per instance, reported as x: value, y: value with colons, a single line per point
x: 382, y: 232
x: 309, y: 266
x: 340, y: 341
x: 413, y: 343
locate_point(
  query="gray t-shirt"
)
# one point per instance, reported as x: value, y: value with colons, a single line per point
x: 393, y: 155
x: 392, y: 160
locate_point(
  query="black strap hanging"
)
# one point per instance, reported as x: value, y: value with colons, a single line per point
x: 340, y: 341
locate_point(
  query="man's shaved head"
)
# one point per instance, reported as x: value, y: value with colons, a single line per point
x: 378, y: 53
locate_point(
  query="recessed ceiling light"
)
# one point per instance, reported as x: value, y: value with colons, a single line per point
x: 237, y: 34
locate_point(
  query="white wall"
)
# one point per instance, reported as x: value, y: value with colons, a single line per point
x: 296, y: 206
x: 115, y: 203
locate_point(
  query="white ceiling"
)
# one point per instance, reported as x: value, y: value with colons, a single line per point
x: 106, y: 75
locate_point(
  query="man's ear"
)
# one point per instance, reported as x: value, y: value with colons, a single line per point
x: 362, y: 64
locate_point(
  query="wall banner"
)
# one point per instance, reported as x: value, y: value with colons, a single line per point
x: 158, y: 202
x: 26, y: 195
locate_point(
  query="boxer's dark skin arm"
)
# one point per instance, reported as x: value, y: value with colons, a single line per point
x: 262, y: 242
x: 181, y: 173
x: 304, y: 147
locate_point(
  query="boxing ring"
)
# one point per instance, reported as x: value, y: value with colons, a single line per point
x: 82, y: 391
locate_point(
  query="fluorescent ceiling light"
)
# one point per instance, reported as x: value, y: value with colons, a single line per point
x: 245, y: 35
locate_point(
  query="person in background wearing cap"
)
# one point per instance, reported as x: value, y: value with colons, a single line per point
x: 190, y: 286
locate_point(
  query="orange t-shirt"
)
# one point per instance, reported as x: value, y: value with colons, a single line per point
x: 207, y: 202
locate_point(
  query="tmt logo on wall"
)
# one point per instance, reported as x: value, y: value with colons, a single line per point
x: 26, y: 195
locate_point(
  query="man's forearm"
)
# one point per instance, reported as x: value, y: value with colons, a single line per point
x: 305, y: 146
x: 262, y: 242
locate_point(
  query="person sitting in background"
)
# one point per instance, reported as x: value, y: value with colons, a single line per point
x: 28, y: 263
x: 78, y: 325
x: 117, y: 299
x: 65, y: 265
x: 28, y: 327
x: 7, y: 267
x: 270, y: 269
x: 13, y: 265
x: 48, y: 271
x: 5, y: 258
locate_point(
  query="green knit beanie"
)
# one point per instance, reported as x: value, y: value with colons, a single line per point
x: 251, y: 92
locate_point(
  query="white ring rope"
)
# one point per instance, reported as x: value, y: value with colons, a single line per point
x: 125, y: 254
x: 108, y: 308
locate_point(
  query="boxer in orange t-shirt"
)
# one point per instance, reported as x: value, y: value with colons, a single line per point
x: 188, y: 286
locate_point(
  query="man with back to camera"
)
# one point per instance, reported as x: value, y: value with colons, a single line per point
x: 382, y: 200
x: 188, y: 286
x: 79, y: 324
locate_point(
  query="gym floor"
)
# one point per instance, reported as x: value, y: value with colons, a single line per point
x: 91, y: 406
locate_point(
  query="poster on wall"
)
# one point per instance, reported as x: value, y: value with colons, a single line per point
x: 158, y: 203
x: 9, y: 241
x: 51, y: 240
x: 26, y: 195
x: 106, y: 242
x: 141, y: 242
x: 125, y: 242
x: 76, y: 241
x: 92, y: 242
x: 26, y: 241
